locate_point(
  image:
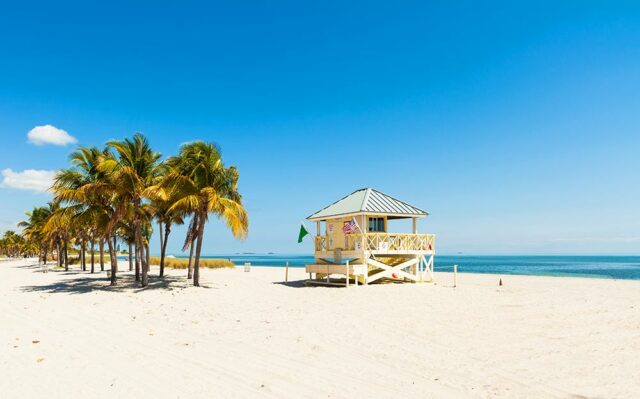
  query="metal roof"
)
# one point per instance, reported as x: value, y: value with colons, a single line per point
x: 368, y: 200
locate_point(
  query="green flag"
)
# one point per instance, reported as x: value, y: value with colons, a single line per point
x: 303, y: 232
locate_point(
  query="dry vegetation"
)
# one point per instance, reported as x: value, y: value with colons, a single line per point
x: 182, y: 263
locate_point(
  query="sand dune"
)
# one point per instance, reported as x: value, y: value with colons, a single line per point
x: 248, y: 335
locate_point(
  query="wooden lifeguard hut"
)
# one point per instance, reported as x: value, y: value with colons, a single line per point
x: 352, y: 240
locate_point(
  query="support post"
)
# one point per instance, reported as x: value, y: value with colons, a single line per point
x: 366, y: 270
x: 347, y: 281
x: 286, y: 272
x: 455, y: 275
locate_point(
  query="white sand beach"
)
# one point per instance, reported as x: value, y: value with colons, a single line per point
x: 242, y: 335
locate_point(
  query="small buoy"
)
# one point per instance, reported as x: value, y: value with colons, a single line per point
x: 500, y: 283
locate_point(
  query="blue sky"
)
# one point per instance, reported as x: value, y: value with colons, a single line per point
x: 515, y: 125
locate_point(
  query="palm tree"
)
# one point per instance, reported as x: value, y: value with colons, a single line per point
x: 134, y: 169
x: 201, y: 184
x: 89, y: 196
x: 12, y: 243
x: 57, y: 230
x: 32, y: 229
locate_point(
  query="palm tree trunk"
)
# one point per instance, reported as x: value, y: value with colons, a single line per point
x: 45, y: 255
x: 58, y: 254
x: 190, y: 266
x: 196, y: 263
x: 66, y: 256
x: 144, y: 278
x: 192, y: 246
x: 93, y: 256
x: 161, y: 246
x: 148, y: 259
x: 144, y: 281
x: 114, y: 266
x: 137, y: 251
x: 102, y: 254
x: 115, y: 251
x: 130, y: 257
x: 83, y: 255
x: 163, y: 249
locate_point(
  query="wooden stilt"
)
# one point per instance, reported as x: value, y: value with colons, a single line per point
x: 347, y: 279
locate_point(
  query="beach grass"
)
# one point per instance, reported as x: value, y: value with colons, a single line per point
x: 174, y: 263
x: 182, y: 263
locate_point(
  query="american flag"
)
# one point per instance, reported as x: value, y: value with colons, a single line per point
x: 349, y: 227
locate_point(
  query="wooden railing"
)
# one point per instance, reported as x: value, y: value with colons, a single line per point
x: 379, y: 242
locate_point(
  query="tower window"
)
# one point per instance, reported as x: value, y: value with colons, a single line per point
x: 376, y: 225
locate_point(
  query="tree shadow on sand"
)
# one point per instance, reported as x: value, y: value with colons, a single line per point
x: 84, y: 284
x: 32, y: 266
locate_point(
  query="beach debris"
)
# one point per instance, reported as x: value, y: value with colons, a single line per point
x: 35, y: 341
x: 40, y: 360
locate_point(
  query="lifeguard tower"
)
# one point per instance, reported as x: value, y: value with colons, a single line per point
x: 352, y: 240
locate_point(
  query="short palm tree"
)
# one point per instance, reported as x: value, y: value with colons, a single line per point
x: 57, y: 230
x: 12, y: 243
x: 32, y: 229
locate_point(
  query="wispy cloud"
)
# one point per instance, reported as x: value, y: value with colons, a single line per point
x: 48, y: 134
x: 30, y: 179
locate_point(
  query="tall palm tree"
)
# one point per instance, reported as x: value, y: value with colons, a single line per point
x: 202, y: 185
x: 89, y: 195
x: 134, y: 168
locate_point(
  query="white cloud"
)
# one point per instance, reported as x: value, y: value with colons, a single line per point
x: 30, y: 179
x: 47, y: 134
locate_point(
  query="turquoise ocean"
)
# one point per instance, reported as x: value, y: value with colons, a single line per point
x: 613, y: 267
